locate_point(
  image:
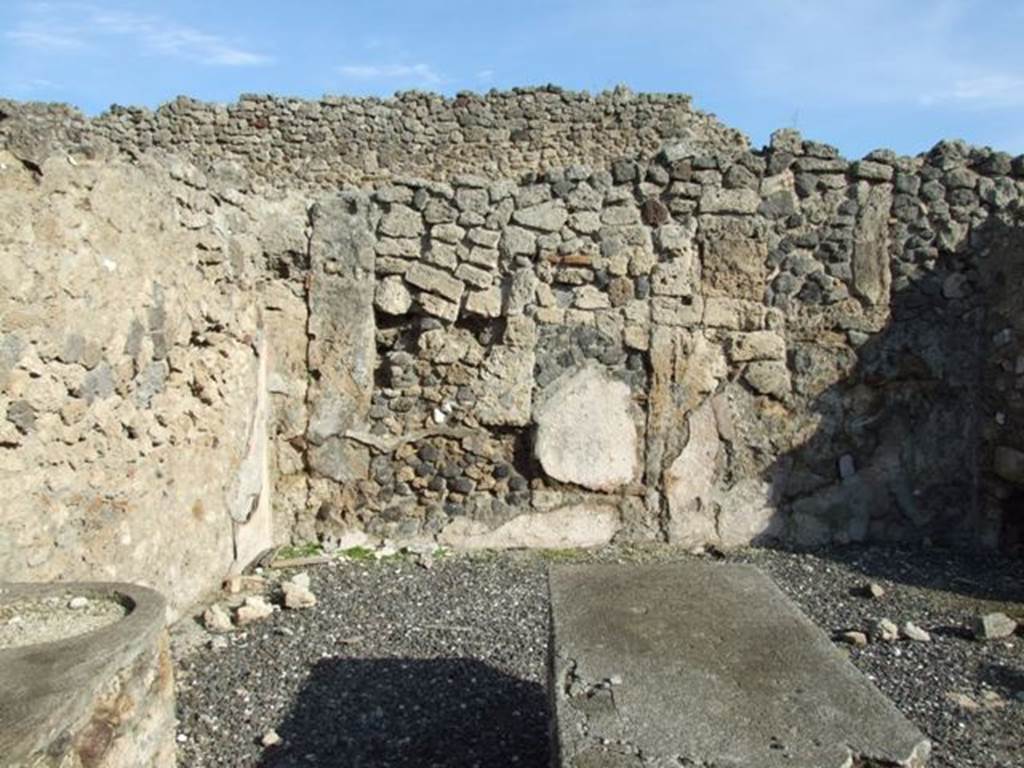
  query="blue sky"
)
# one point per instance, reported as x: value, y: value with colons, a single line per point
x: 859, y: 73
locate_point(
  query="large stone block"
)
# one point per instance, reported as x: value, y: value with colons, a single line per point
x: 734, y: 201
x: 579, y: 525
x: 768, y: 377
x: 342, y: 348
x: 435, y: 281
x: 747, y: 513
x: 402, y: 221
x: 689, y: 480
x: 685, y: 369
x: 872, y: 272
x: 585, y: 431
x: 392, y: 297
x: 733, y: 314
x: 735, y: 267
x: 758, y: 345
x: 549, y: 217
x: 504, y: 387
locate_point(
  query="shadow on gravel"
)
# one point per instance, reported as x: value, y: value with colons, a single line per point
x: 952, y: 632
x: 984, y: 577
x: 1005, y: 679
x: 360, y: 713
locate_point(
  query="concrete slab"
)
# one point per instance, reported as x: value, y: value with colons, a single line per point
x: 710, y: 665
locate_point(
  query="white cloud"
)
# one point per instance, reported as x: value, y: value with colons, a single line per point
x: 75, y: 26
x: 42, y: 39
x: 160, y: 37
x: 420, y: 74
x: 485, y: 75
x: 28, y: 88
x: 874, y: 53
x: 981, y: 92
x: 871, y: 52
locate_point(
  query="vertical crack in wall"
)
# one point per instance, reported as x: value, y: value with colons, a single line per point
x: 307, y: 395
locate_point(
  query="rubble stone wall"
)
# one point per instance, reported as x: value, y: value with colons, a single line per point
x: 133, y: 370
x: 711, y: 348
x: 321, y: 144
x: 602, y: 328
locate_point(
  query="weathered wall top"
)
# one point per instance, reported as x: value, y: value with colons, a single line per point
x: 298, y: 143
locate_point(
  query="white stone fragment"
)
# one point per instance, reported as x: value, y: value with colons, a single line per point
x: 216, y: 619
x: 255, y: 608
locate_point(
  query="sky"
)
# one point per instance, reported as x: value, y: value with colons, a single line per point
x: 859, y: 74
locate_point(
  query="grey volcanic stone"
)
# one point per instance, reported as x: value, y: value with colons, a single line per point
x: 392, y: 297
x: 697, y: 663
x: 435, y: 280
x: 739, y: 201
x: 22, y: 415
x: 401, y: 222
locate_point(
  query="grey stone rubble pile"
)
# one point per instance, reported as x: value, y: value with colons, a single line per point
x: 989, y: 626
x: 255, y: 608
x: 295, y: 595
x: 994, y: 626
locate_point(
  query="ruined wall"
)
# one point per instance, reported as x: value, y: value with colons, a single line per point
x: 713, y: 348
x: 639, y: 337
x: 320, y: 144
x: 1000, y: 280
x: 133, y: 379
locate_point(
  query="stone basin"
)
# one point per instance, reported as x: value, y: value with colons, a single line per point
x: 100, y: 698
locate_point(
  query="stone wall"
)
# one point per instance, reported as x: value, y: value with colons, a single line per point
x: 133, y: 381
x: 712, y: 348
x: 600, y: 328
x: 320, y: 144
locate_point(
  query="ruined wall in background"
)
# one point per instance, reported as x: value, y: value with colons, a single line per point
x: 296, y: 143
x: 1000, y: 280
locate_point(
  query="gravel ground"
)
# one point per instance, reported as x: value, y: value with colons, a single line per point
x: 399, y: 665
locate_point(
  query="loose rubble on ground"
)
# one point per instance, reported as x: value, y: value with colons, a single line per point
x: 440, y: 659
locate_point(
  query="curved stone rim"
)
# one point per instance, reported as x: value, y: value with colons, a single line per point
x: 49, y: 686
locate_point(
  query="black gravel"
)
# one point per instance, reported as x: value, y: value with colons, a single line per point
x: 396, y: 665
x: 399, y: 665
